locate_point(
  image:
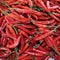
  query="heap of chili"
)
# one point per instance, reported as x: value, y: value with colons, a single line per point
x: 29, y: 29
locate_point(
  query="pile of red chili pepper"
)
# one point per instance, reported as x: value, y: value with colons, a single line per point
x: 30, y: 29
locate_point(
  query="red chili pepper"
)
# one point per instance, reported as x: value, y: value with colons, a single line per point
x: 3, y: 25
x: 44, y: 30
x: 16, y: 42
x: 57, y: 10
x: 41, y: 48
x: 34, y: 54
x: 47, y: 58
x: 21, y: 6
x: 24, y: 48
x: 23, y: 11
x: 1, y: 20
x: 45, y: 35
x: 10, y: 41
x: 43, y: 5
x: 37, y: 4
x: 28, y: 26
x: 29, y: 29
x: 41, y: 52
x: 30, y: 3
x: 51, y: 8
x: 21, y: 18
x: 24, y: 33
x: 44, y: 18
x: 53, y: 16
x: 11, y: 30
x: 34, y: 16
x: 7, y: 35
x: 6, y: 50
x: 56, y: 14
x: 45, y: 22
x: 23, y: 56
x: 57, y: 38
x: 52, y: 45
x: 38, y: 25
x: 24, y: 29
x: 22, y: 42
x: 4, y: 41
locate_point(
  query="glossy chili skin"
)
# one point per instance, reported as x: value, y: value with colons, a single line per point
x: 29, y: 29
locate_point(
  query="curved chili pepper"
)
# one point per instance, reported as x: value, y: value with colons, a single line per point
x: 36, y: 3
x: 30, y: 3
x: 23, y: 56
x: 1, y: 20
x: 56, y: 14
x: 34, y: 54
x: 16, y: 42
x: 29, y: 29
x: 23, y: 33
x: 39, y: 25
x: 11, y: 30
x: 41, y: 52
x: 51, y: 8
x: 45, y: 22
x: 24, y: 29
x: 52, y: 45
x: 24, y: 48
x: 4, y: 49
x: 34, y: 16
x: 57, y: 38
x: 23, y: 11
x: 28, y: 26
x: 45, y: 35
x: 23, y: 7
